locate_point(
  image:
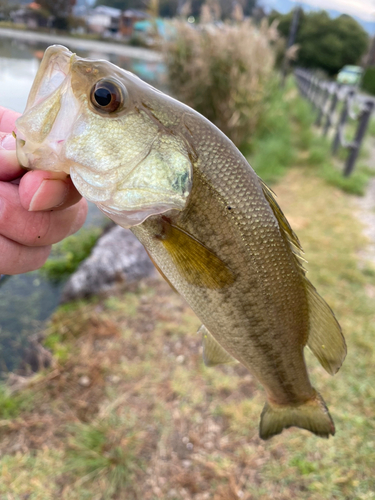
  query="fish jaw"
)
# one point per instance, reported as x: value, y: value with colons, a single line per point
x: 126, y: 162
x: 43, y: 128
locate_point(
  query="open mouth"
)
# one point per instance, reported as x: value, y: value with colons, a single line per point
x: 46, y: 123
x: 54, y: 68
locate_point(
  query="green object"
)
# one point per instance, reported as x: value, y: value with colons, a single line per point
x: 68, y: 254
x: 368, y: 81
x: 350, y: 75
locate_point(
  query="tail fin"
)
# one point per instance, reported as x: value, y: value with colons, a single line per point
x: 312, y: 415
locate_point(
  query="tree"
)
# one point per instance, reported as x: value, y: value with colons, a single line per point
x: 248, y: 6
x: 325, y: 43
x: 169, y: 8
x: 225, y: 6
x: 57, y: 8
x: 124, y: 4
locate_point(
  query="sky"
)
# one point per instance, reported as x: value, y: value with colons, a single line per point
x: 362, y: 10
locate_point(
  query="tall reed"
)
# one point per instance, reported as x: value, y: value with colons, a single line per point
x: 224, y: 73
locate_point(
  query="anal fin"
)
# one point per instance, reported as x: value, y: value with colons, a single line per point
x: 213, y: 353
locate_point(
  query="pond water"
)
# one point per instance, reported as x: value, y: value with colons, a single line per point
x: 27, y: 300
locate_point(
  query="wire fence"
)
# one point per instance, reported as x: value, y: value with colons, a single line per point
x: 327, y: 98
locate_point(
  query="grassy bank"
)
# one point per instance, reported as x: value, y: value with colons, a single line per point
x: 286, y: 136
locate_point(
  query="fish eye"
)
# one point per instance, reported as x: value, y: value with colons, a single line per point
x: 107, y: 95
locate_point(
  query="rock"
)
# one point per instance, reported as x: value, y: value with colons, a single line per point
x: 117, y: 256
x: 84, y: 381
x: 113, y: 379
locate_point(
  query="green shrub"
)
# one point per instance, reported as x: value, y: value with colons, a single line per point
x: 282, y: 127
x: 68, y: 254
x: 272, y: 158
x: 9, y: 406
x: 355, y: 184
x: 137, y: 40
x: 224, y: 74
x: 368, y: 82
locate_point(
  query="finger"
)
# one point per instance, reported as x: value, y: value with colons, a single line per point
x: 17, y: 259
x: 10, y: 169
x: 7, y: 119
x: 41, y: 190
x: 36, y: 228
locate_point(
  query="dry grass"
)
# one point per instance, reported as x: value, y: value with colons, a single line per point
x: 129, y: 411
x: 225, y: 74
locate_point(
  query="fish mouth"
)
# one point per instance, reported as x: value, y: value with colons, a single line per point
x: 53, y: 70
x: 42, y: 130
x: 33, y: 157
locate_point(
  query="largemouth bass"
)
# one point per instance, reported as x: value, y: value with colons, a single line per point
x: 208, y: 222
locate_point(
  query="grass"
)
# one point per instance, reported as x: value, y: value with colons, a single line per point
x: 271, y: 151
x: 276, y: 144
x: 67, y: 255
x: 287, y: 136
x: 108, y: 450
x: 371, y: 127
x: 10, y: 405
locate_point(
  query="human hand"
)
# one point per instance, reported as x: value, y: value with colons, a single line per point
x: 37, y: 208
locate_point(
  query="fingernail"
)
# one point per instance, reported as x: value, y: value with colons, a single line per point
x: 8, y: 142
x: 51, y: 194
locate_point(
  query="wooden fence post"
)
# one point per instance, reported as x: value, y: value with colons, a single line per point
x: 355, y: 146
x: 332, y: 109
x: 322, y: 105
x: 342, y: 121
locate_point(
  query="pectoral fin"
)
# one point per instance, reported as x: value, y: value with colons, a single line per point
x: 160, y: 271
x: 197, y: 264
x: 213, y: 353
x: 326, y: 340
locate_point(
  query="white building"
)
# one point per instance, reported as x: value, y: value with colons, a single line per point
x: 103, y: 19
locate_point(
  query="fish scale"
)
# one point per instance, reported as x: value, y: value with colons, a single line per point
x: 249, y: 293
x: 210, y: 225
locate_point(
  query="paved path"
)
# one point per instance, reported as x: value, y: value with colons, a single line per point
x: 83, y: 44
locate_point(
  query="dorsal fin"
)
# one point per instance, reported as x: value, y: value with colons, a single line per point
x: 288, y: 233
x: 325, y: 340
x: 284, y: 224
